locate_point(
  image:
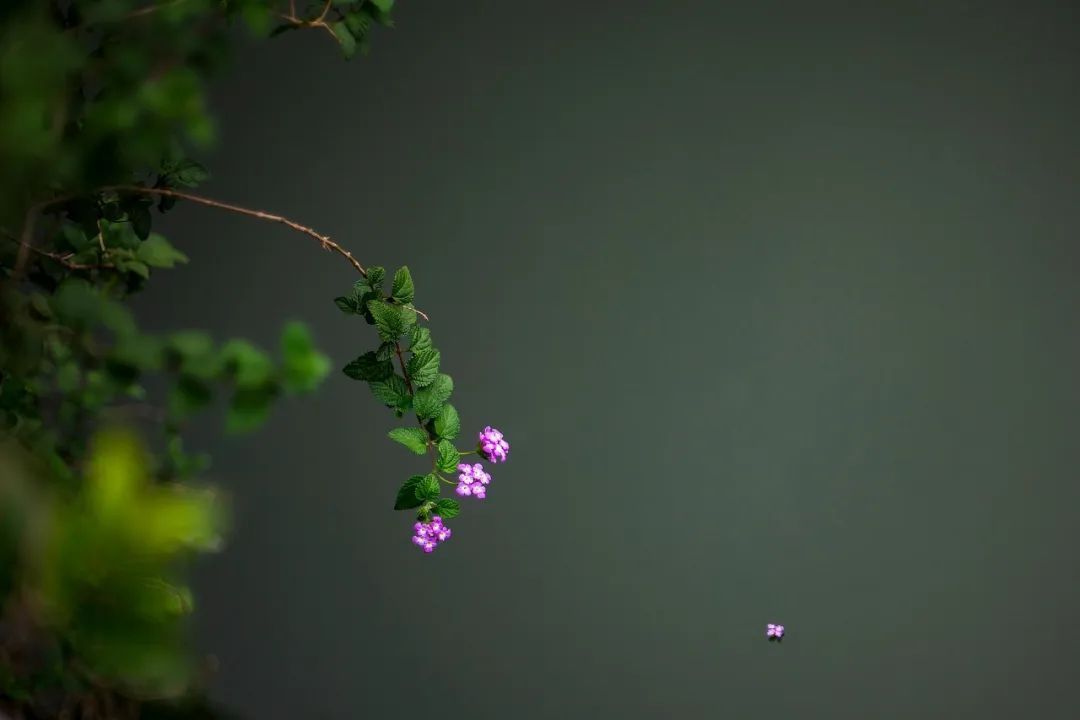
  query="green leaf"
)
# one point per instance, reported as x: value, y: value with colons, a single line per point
x: 369, y: 368
x: 375, y: 276
x: 141, y: 220
x: 386, y: 351
x: 345, y: 38
x: 193, y: 352
x: 249, y: 408
x: 187, y: 396
x: 419, y: 339
x: 424, y: 367
x: 446, y: 508
x: 348, y: 305
x: 190, y: 173
x: 383, y: 5
x: 304, y: 366
x: 428, y: 488
x: 388, y: 320
x: 393, y: 392
x: 407, y: 496
x: 134, y: 266
x: 403, y: 288
x: 447, y: 423
x: 156, y: 251
x: 249, y: 366
x: 449, y: 457
x: 429, y: 401
x: 413, y: 438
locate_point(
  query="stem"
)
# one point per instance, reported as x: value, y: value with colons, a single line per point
x: 409, y: 385
x: 324, y: 240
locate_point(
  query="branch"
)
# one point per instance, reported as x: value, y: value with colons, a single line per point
x: 324, y: 240
x: 62, y: 258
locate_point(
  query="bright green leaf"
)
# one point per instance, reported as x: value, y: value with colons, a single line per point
x: 403, y: 288
x: 419, y: 339
x: 250, y: 366
x: 413, y: 438
x: 428, y: 488
x: 449, y: 457
x: 393, y: 392
x: 424, y: 367
x: 447, y: 423
x: 388, y: 320
x: 429, y: 401
x: 446, y: 508
x: 156, y: 251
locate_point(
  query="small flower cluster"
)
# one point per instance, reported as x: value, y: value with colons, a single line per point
x: 429, y: 535
x: 774, y: 632
x: 493, y: 446
x: 472, y: 480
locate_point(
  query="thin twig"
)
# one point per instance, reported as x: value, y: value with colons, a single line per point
x: 324, y: 240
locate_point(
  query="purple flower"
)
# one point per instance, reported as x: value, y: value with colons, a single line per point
x: 492, y: 446
x: 430, y: 534
x: 472, y: 480
x: 774, y: 631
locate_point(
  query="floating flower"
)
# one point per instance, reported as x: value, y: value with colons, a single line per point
x: 774, y: 632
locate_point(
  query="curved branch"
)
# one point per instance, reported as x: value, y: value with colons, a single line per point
x: 324, y: 240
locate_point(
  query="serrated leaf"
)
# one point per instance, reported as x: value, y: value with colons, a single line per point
x: 369, y: 367
x: 447, y: 423
x: 158, y: 252
x: 348, y: 305
x: 403, y: 288
x: 424, y: 367
x: 383, y: 5
x: 374, y: 277
x: 449, y: 457
x: 419, y: 339
x: 393, y: 392
x: 429, y: 401
x: 389, y: 320
x: 407, y: 497
x: 428, y: 488
x: 386, y: 351
x: 413, y: 438
x: 446, y: 508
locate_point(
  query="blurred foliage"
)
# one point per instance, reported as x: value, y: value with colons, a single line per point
x: 102, y: 116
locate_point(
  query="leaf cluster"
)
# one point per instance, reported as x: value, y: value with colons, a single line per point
x: 405, y: 374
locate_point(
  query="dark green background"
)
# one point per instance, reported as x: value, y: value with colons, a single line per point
x: 776, y: 305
